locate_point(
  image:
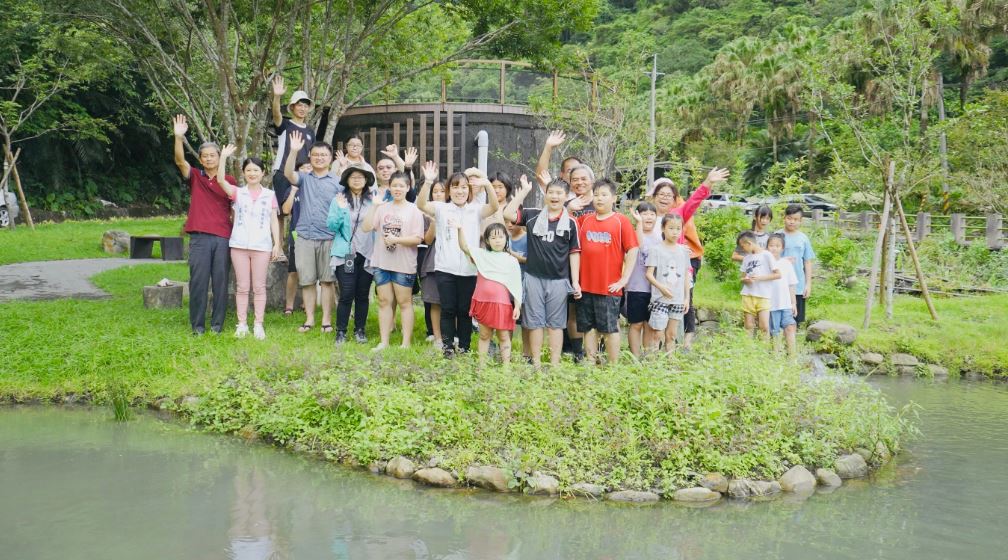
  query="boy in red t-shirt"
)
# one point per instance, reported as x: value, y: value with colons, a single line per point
x: 608, y: 253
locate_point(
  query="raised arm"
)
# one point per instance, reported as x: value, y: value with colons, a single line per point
x: 462, y: 242
x: 392, y: 152
x: 227, y: 151
x: 714, y: 178
x: 639, y: 226
x: 179, y: 128
x: 368, y: 223
x: 278, y: 90
x: 511, y: 210
x: 492, y: 204
x: 339, y: 163
x: 554, y: 139
x: 338, y: 213
x: 430, y: 173
x: 296, y: 143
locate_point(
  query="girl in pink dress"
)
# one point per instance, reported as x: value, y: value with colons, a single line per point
x: 497, y: 300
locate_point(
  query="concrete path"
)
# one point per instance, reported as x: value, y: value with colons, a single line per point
x: 58, y: 279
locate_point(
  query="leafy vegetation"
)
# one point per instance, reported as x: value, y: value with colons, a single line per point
x: 647, y: 427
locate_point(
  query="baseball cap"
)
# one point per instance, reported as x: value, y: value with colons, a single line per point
x: 298, y: 96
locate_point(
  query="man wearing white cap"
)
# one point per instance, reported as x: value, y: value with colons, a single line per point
x: 300, y: 106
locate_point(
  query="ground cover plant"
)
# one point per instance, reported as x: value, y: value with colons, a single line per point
x: 727, y: 407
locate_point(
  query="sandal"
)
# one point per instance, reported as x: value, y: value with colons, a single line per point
x: 288, y: 312
x: 305, y: 328
x: 327, y: 328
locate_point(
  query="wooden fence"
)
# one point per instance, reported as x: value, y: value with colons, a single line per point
x: 967, y: 230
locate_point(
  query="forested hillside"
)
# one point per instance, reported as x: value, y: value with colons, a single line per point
x: 791, y: 95
x: 756, y: 85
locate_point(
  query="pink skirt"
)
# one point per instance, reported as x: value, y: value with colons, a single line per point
x: 491, y: 305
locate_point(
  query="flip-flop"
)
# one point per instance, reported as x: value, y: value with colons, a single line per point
x: 288, y: 312
x: 305, y: 328
x: 327, y: 328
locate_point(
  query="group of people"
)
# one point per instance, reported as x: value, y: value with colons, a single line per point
x: 776, y: 274
x: 552, y: 255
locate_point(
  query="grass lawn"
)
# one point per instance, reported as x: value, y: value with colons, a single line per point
x: 76, y: 239
x: 967, y: 337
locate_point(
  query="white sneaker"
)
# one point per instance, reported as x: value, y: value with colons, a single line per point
x: 258, y: 332
x: 241, y: 330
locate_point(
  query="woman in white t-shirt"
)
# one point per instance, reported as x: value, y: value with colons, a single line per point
x: 455, y: 273
x: 255, y: 239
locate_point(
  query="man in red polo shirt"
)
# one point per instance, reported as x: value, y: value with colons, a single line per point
x: 209, y: 227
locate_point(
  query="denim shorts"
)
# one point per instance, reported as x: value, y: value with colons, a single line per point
x: 779, y: 320
x: 386, y: 276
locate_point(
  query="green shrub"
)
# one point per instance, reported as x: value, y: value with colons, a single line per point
x: 838, y: 254
x: 950, y: 266
x: 718, y: 230
x: 639, y: 426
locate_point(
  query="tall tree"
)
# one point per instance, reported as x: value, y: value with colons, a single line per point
x: 212, y: 59
x: 42, y: 61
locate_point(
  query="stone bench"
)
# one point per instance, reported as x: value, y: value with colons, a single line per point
x: 142, y: 246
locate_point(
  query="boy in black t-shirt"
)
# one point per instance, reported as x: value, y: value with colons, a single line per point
x: 300, y: 106
x: 552, y: 268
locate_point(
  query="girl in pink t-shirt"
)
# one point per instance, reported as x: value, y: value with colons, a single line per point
x: 399, y: 227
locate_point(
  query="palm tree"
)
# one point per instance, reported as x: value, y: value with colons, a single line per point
x: 733, y: 82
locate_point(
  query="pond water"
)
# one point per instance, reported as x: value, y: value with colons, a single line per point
x: 74, y: 484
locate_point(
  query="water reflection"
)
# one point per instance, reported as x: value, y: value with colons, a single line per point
x: 74, y: 485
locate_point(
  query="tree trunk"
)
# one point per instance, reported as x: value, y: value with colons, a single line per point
x: 811, y: 147
x: 884, y: 277
x: 890, y: 269
x: 11, y: 160
x: 877, y: 256
x: 943, y: 138
x: 911, y: 248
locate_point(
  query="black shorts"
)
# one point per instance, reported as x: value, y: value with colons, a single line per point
x: 637, y: 306
x: 598, y: 312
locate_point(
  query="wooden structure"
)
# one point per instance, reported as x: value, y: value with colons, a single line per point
x: 442, y: 116
x: 989, y: 230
